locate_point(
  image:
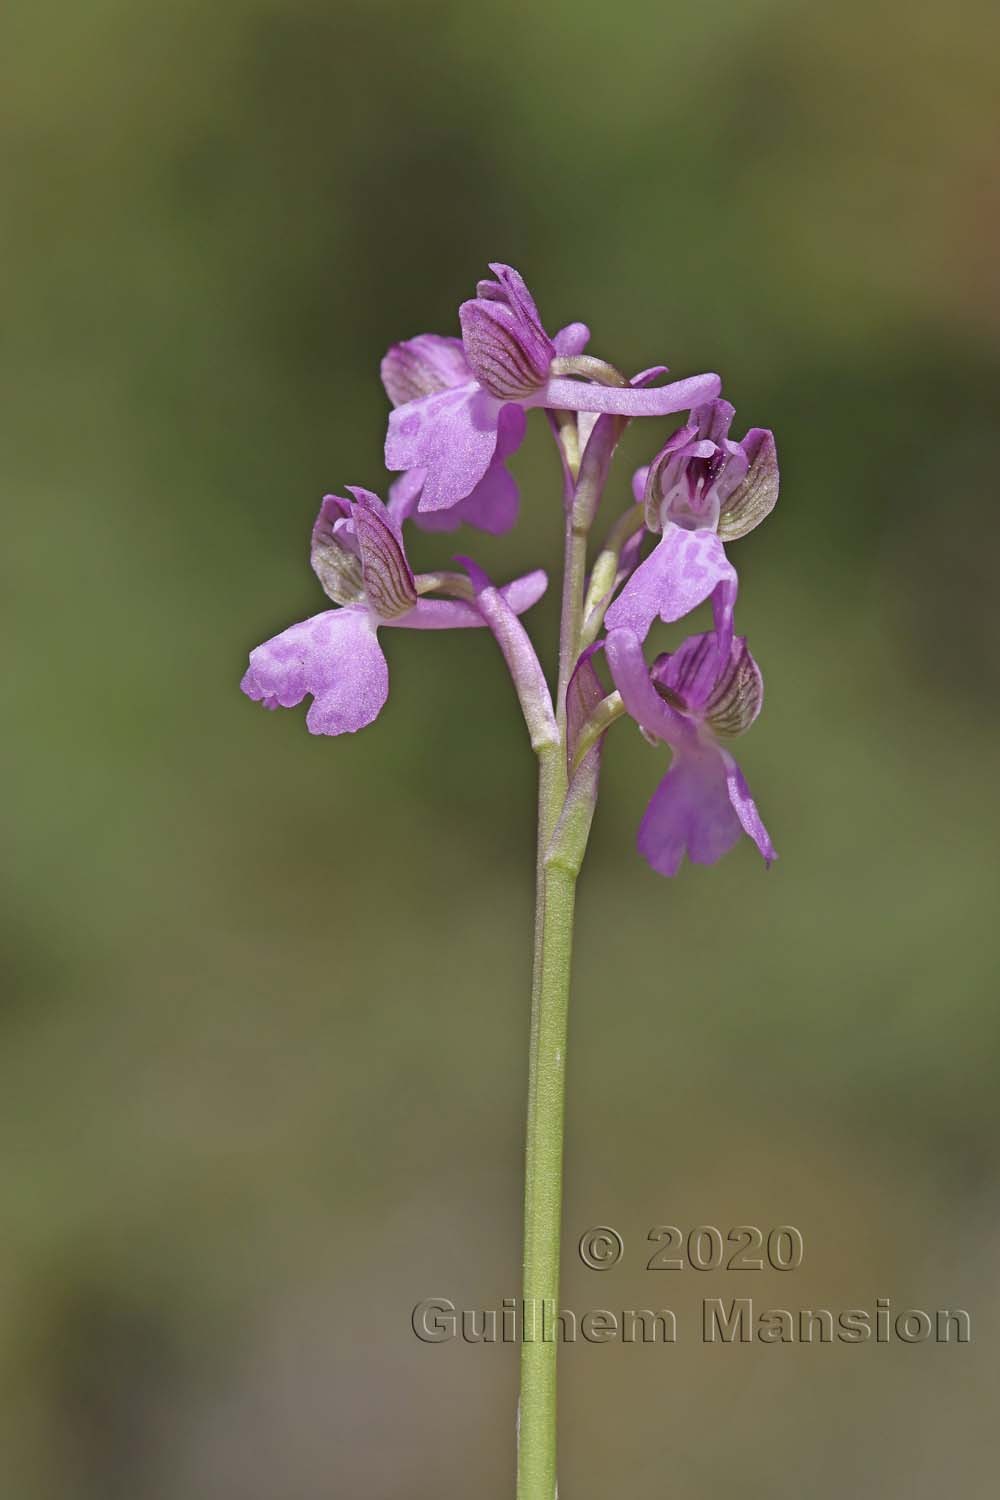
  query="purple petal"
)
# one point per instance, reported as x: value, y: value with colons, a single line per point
x: 639, y: 483
x: 689, y: 813
x: 726, y: 692
x: 666, y: 470
x: 746, y: 808
x: 493, y: 504
x: 389, y: 585
x: 631, y: 677
x: 451, y: 435
x: 723, y: 606
x: 571, y: 340
x: 680, y: 573
x: 510, y: 291
x: 456, y: 614
x: 564, y: 394
x: 509, y: 355
x: 404, y: 495
x: 422, y: 366
x: 599, y: 435
x: 691, y: 672
x: 336, y: 657
x: 714, y: 420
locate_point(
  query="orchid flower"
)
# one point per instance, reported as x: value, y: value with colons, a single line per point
x: 460, y: 404
x: 358, y: 556
x: 688, y: 700
x: 701, y: 490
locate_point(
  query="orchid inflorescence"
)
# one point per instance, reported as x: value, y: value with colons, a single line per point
x: 459, y: 413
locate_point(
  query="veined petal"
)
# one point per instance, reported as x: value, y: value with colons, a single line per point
x: 505, y: 343
x: 738, y: 695
x: 681, y: 572
x: 421, y: 366
x: 687, y: 677
x: 756, y: 495
x: 562, y: 393
x: 690, y: 813
x: 509, y: 356
x: 726, y: 692
x: 456, y: 614
x: 746, y: 808
x: 452, y: 436
x: 336, y: 657
x: 389, y: 585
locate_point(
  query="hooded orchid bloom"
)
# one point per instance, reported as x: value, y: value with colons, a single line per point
x: 358, y: 556
x: 701, y: 490
x: 688, y: 699
x: 460, y: 404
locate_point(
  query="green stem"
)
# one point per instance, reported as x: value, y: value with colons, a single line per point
x: 556, y: 876
x: 536, y: 1458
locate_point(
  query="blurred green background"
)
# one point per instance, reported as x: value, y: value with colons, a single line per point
x: 265, y: 1019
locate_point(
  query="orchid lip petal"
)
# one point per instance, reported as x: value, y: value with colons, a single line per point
x: 334, y: 657
x: 684, y: 569
x: 690, y: 813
